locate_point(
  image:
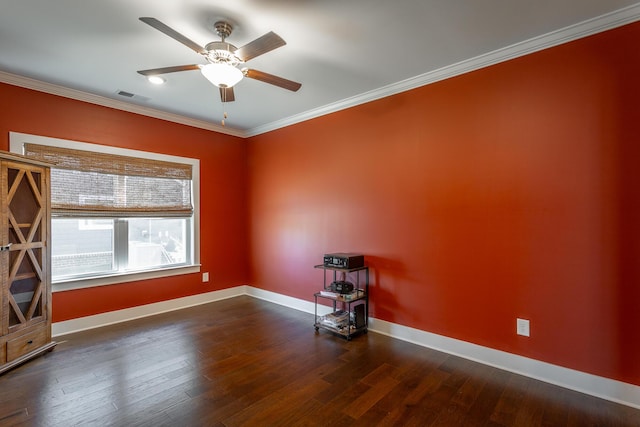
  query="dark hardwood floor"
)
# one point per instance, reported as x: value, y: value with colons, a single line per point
x: 244, y: 361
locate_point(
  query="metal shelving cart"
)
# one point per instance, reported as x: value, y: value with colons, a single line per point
x: 350, y: 311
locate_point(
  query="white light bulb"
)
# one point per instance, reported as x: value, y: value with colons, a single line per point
x: 156, y: 80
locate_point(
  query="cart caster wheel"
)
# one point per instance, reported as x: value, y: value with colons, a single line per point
x: 348, y: 338
x: 316, y: 328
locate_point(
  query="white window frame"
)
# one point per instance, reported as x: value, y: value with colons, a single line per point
x: 16, y: 145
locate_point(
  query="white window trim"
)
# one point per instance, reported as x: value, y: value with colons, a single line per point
x: 16, y: 145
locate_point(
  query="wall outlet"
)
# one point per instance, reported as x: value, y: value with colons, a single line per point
x: 522, y: 327
x: 205, y: 277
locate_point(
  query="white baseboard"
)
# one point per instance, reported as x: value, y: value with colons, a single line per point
x: 604, y: 388
x: 124, y: 315
x: 287, y: 301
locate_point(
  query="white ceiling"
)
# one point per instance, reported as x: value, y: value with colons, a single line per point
x: 344, y: 52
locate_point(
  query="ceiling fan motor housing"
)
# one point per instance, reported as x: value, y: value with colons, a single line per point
x: 222, y: 53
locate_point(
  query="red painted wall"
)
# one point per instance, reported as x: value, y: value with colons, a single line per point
x: 512, y: 191
x: 223, y: 177
x: 508, y: 192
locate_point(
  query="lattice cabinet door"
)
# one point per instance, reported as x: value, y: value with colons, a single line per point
x: 25, y: 259
x: 24, y: 238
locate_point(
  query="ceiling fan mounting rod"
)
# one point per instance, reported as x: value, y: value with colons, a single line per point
x: 223, y: 29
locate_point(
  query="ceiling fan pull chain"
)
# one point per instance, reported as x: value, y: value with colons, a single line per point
x: 223, y: 95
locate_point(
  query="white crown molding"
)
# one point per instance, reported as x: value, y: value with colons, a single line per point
x: 586, y: 28
x: 574, y: 32
x: 78, y: 95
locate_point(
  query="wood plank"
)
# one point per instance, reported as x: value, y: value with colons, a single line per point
x: 244, y: 361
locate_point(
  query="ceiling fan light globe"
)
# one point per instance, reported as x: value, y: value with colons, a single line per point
x: 222, y: 75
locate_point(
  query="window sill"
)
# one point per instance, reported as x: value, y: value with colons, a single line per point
x: 113, y: 279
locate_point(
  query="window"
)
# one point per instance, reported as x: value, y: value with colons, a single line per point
x: 101, y: 246
x: 117, y: 214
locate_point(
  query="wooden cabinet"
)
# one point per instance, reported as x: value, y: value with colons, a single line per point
x: 25, y: 258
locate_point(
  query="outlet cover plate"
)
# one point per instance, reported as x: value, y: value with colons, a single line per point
x: 522, y: 327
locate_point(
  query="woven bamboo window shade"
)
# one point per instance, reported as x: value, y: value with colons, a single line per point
x: 87, y: 183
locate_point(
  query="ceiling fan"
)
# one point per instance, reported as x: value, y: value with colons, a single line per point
x: 223, y: 59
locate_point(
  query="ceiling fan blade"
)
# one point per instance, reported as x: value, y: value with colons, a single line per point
x: 165, y: 70
x: 271, y: 79
x: 174, y: 34
x: 259, y: 46
x: 226, y: 94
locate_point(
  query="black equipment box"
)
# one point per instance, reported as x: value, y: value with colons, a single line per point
x: 359, y: 316
x: 344, y: 260
x: 342, y: 287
